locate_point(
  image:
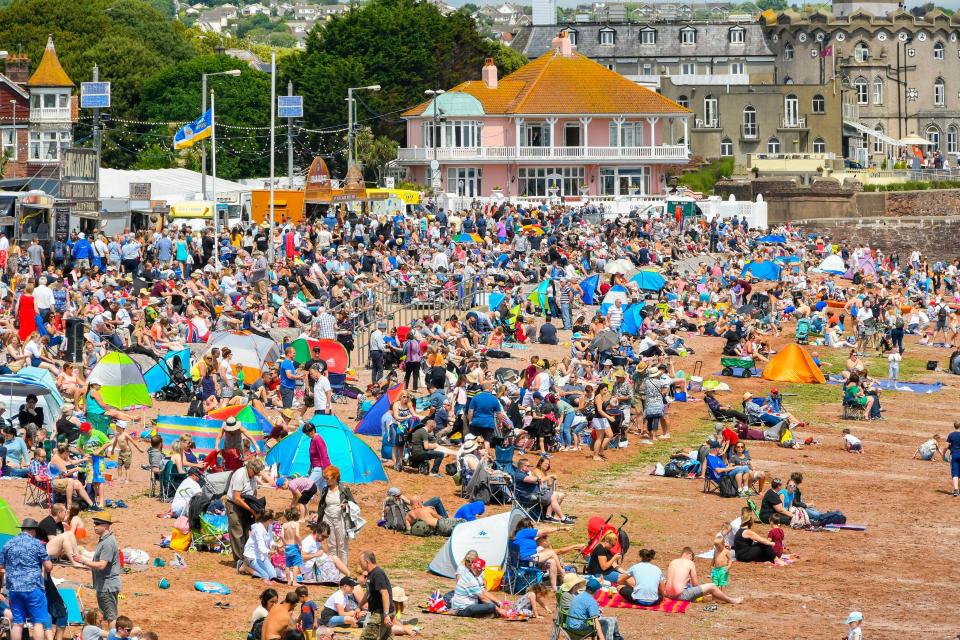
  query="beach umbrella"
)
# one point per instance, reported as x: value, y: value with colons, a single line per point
x: 649, y: 280
x: 303, y: 348
x: 331, y: 351
x: 254, y: 421
x: 541, y: 295
x: 121, y: 380
x: 605, y: 340
x: 589, y: 287
x: 621, y: 265
x: 533, y: 229
x: 250, y: 352
x: 468, y: 238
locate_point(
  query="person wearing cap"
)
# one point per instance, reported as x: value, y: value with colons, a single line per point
x: 23, y: 561
x: 716, y: 467
x: 341, y: 608
x: 232, y: 434
x: 189, y: 487
x: 583, y: 612
x: 105, y: 566
x: 289, y: 377
x: 471, y: 598
x: 855, y: 623
x: 377, y: 346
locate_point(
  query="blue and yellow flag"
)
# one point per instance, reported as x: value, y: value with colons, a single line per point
x: 195, y: 131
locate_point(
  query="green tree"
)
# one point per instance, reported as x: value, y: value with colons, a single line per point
x: 405, y: 46
x: 374, y: 153
x: 776, y: 5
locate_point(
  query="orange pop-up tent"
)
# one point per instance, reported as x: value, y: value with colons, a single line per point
x: 793, y: 364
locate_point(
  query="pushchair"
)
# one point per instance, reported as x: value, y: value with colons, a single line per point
x: 213, y: 534
x: 597, y: 529
x: 803, y: 331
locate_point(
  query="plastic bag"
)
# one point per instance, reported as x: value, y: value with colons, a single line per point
x: 179, y: 541
x: 135, y: 556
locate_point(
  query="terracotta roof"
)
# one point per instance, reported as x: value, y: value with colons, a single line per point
x: 556, y: 84
x: 49, y: 73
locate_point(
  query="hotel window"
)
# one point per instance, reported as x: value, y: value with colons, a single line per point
x: 536, y: 181
x: 938, y: 51
x: 877, y: 142
x: 688, y: 68
x: 647, y: 69
x: 631, y: 134
x: 773, y: 145
x: 453, y: 133
x: 952, y: 139
x: 749, y: 122
x: 819, y: 104
x: 736, y: 68
x: 648, y: 36
x: 711, y: 112
x: 607, y: 36
x: 878, y: 90
x: 535, y: 135
x: 861, y: 52
x: 933, y: 135
x: 9, y: 146
x: 819, y: 146
x: 573, y: 37
x: 726, y: 147
x: 939, y: 93
x: 45, y: 145
x: 788, y: 51
x: 737, y: 35
x: 688, y: 36
x: 860, y: 86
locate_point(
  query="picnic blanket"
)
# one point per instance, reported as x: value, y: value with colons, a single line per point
x: 425, y: 608
x: 897, y: 385
x: 615, y: 600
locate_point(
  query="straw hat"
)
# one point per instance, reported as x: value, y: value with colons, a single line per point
x: 399, y: 594
x: 103, y: 517
x: 469, y: 446
x: 231, y: 424
x: 642, y: 367
x: 747, y: 395
x: 570, y: 581
x: 619, y: 373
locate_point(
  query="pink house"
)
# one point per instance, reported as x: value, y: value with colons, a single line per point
x: 561, y: 125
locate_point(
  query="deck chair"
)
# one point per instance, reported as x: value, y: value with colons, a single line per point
x: 38, y: 491
x: 519, y: 575
x: 560, y: 622
x: 169, y: 481
x: 717, y: 417
x: 711, y: 481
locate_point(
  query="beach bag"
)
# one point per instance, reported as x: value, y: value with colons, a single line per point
x: 800, y: 519
x: 728, y: 487
x: 395, y: 514
x: 672, y: 469
x: 179, y: 541
x: 256, y: 630
x: 182, y: 524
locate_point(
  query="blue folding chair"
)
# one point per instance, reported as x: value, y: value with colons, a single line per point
x: 519, y: 575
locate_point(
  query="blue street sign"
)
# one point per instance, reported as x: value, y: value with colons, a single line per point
x: 95, y: 95
x: 289, y: 106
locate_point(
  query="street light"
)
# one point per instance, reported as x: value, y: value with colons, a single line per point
x: 434, y: 134
x: 15, y: 141
x: 350, y: 108
x: 203, y: 109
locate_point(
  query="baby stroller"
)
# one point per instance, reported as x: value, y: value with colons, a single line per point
x: 803, y: 331
x: 597, y: 528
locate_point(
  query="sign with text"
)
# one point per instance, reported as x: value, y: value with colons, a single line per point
x: 140, y: 190
x: 95, y: 95
x: 61, y: 225
x: 289, y: 106
x: 78, y: 180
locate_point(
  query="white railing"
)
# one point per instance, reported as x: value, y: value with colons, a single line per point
x: 56, y: 114
x: 658, y: 152
x: 712, y: 79
x: 793, y: 123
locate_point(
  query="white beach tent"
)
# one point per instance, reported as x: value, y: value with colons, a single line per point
x: 487, y: 536
x: 832, y: 264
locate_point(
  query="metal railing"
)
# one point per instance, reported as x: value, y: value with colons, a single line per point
x: 647, y: 152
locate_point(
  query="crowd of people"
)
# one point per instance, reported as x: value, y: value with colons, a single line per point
x: 605, y: 378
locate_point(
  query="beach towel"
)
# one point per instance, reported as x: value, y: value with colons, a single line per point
x: 616, y: 601
x: 204, y: 586
x: 847, y: 527
x: 897, y: 385
x: 425, y: 608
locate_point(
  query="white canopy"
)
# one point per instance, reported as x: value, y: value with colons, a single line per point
x: 172, y: 185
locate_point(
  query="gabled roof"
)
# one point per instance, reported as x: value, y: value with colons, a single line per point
x: 558, y: 84
x: 49, y: 73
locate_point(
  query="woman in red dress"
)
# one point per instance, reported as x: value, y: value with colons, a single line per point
x: 26, y: 313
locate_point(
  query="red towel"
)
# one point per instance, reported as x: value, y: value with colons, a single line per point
x: 616, y: 601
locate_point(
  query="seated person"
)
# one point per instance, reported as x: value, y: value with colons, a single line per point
x: 61, y: 543
x: 772, y: 509
x: 720, y: 411
x: 643, y: 582
x: 16, y: 458
x: 682, y: 583
x: 528, y: 491
x: 189, y: 487
x: 471, y: 598
x: 750, y: 546
x: 716, y: 468
x: 603, y: 561
x: 530, y: 546
x: 739, y: 456
x: 583, y: 612
x: 548, y: 333
x: 342, y: 609
x: 424, y: 448
x: 773, y: 408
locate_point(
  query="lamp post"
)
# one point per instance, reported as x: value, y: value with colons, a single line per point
x: 16, y: 145
x: 203, y: 149
x: 350, y: 108
x: 435, y: 134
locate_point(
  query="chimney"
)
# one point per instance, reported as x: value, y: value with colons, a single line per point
x: 17, y: 68
x: 489, y: 73
x: 562, y: 44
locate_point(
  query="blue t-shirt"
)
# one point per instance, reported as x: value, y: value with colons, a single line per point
x: 308, y: 613
x: 714, y: 463
x: 485, y: 407
x: 470, y: 511
x: 953, y: 439
x: 285, y: 367
x: 647, y: 577
x: 525, y: 542
x: 582, y: 611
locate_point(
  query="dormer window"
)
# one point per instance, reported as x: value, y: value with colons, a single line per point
x: 573, y: 36
x: 738, y: 35
x: 648, y: 36
x: 608, y: 36
x: 861, y: 52
x: 938, y: 51
x: 688, y: 35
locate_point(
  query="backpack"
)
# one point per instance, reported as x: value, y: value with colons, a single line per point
x: 728, y: 487
x: 831, y: 517
x: 395, y: 514
x: 942, y: 313
x: 256, y: 630
x: 421, y: 529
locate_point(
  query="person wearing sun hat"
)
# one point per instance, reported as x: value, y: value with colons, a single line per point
x: 855, y: 622
x: 232, y: 434
x: 105, y: 566
x: 470, y: 597
x: 23, y: 559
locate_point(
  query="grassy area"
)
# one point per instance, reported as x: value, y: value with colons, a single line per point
x: 914, y: 185
x: 417, y: 554
x: 704, y: 178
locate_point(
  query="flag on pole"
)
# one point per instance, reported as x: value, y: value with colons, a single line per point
x: 826, y: 53
x: 192, y: 132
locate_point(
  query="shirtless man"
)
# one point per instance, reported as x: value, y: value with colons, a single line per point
x: 418, y: 511
x: 60, y: 543
x: 682, y: 583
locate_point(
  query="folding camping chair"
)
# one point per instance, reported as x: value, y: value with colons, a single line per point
x: 711, y: 481
x: 38, y: 491
x: 561, y: 620
x: 519, y: 575
x: 169, y: 481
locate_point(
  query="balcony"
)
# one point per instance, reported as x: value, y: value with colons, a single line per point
x: 56, y: 114
x: 721, y: 79
x: 749, y: 132
x: 700, y: 123
x: 658, y: 153
x: 792, y: 123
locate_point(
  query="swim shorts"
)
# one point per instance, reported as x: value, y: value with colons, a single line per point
x: 292, y: 556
